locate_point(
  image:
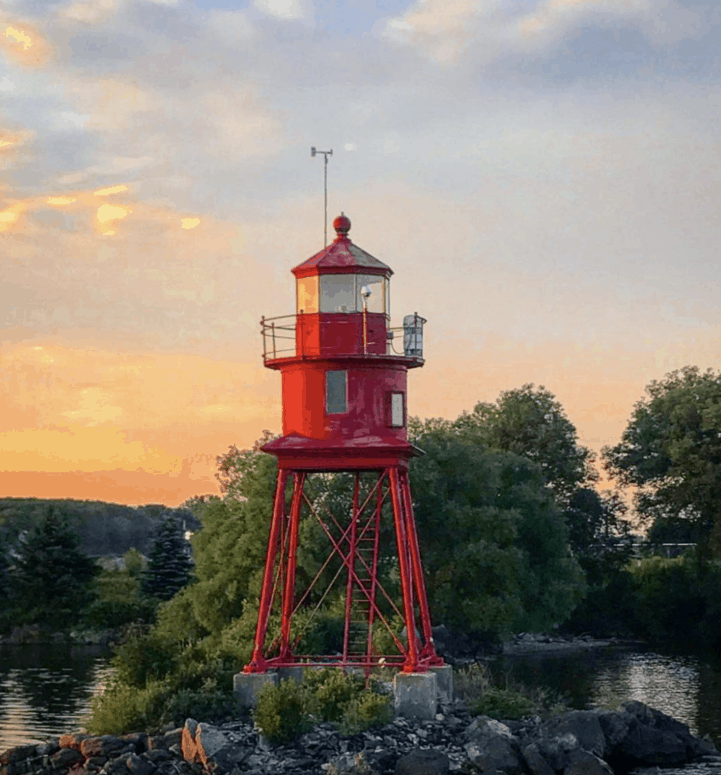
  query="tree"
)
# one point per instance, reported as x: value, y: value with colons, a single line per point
x: 671, y: 451
x: 52, y: 577
x: 529, y: 421
x: 494, y: 545
x: 169, y: 564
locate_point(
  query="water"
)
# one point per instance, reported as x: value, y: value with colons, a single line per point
x: 45, y: 690
x: 685, y: 686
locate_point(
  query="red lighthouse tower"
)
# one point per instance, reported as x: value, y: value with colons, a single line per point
x: 344, y: 410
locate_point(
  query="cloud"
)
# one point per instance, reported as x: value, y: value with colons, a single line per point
x: 282, y: 9
x: 486, y: 30
x: 23, y: 44
x: 90, y: 11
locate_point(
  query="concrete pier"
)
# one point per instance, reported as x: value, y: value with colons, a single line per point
x: 247, y: 686
x: 415, y: 695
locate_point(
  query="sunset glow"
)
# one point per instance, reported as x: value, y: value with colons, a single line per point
x: 20, y: 37
x: 542, y: 178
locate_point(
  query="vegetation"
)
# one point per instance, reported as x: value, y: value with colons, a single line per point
x: 103, y: 528
x: 51, y: 579
x: 287, y: 710
x: 671, y: 452
x: 476, y: 685
x: 169, y: 563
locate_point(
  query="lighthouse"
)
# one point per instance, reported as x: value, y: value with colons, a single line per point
x: 344, y: 377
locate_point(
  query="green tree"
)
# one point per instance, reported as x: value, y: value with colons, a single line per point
x: 53, y: 578
x: 671, y: 452
x: 169, y: 564
x: 494, y: 545
x: 599, y: 534
x: 531, y: 422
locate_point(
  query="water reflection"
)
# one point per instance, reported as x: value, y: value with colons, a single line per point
x: 45, y: 690
x: 687, y: 687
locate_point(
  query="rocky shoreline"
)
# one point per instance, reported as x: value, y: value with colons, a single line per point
x: 592, y: 742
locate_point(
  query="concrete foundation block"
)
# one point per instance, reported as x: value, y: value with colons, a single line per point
x: 296, y: 673
x: 247, y: 686
x: 415, y: 695
x: 444, y: 681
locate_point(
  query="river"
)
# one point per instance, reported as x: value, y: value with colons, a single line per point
x: 47, y: 690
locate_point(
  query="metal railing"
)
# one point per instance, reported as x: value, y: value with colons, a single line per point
x: 275, y: 333
x: 279, y: 338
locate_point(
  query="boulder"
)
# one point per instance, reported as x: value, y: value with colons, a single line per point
x: 139, y: 765
x: 582, y: 762
x: 536, y: 762
x: 584, y: 725
x: 423, y: 762
x: 492, y: 746
x: 66, y: 758
x: 557, y: 750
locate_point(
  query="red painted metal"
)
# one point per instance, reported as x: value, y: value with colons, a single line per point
x: 361, y: 440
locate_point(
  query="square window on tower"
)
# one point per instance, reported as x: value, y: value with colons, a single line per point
x: 336, y: 384
x: 397, y: 410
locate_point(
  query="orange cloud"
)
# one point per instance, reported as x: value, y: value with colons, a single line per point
x: 60, y: 200
x: 189, y: 223
x: 10, y: 217
x: 23, y: 44
x: 111, y: 190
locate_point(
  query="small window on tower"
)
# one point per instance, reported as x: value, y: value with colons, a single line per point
x: 397, y: 410
x: 336, y: 401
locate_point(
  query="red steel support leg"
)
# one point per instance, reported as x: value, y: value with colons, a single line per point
x: 258, y: 663
x: 289, y: 589
x: 428, y: 648
x: 352, y: 549
x: 411, y: 663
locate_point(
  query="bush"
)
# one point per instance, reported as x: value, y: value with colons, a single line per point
x: 367, y: 711
x: 332, y: 691
x: 121, y: 708
x: 143, y: 658
x: 282, y: 711
x: 502, y: 704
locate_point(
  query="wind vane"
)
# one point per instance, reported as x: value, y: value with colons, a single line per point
x: 326, y: 154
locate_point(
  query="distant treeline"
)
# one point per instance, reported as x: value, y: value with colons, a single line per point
x: 103, y: 528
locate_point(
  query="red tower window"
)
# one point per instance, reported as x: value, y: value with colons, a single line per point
x: 336, y: 393
x: 396, y: 410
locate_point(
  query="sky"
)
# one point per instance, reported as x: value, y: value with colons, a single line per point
x: 542, y: 176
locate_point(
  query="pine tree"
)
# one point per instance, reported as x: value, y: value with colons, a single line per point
x: 53, y: 579
x: 169, y: 564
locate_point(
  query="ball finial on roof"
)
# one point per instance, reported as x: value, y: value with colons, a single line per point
x: 341, y: 225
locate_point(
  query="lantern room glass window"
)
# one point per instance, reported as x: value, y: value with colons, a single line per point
x: 337, y: 293
x: 336, y: 392
x: 378, y: 286
x: 342, y: 293
x: 307, y: 290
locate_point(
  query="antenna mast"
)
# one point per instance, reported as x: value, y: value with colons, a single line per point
x: 326, y: 154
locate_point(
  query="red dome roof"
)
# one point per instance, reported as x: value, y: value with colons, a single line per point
x: 342, y: 256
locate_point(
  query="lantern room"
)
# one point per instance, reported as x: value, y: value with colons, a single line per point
x: 344, y: 367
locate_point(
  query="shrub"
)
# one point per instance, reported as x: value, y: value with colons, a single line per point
x: 502, y: 704
x: 121, y: 708
x: 282, y: 711
x: 332, y: 691
x: 142, y: 658
x: 369, y: 710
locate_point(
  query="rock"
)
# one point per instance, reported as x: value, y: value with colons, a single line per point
x: 584, y: 763
x: 18, y: 754
x: 216, y: 751
x: 66, y: 757
x: 491, y: 746
x: 557, y: 750
x: 138, y: 765
x: 536, y: 762
x: 423, y: 762
x: 188, y: 747
x: 583, y: 725
x: 72, y: 740
x: 349, y: 764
